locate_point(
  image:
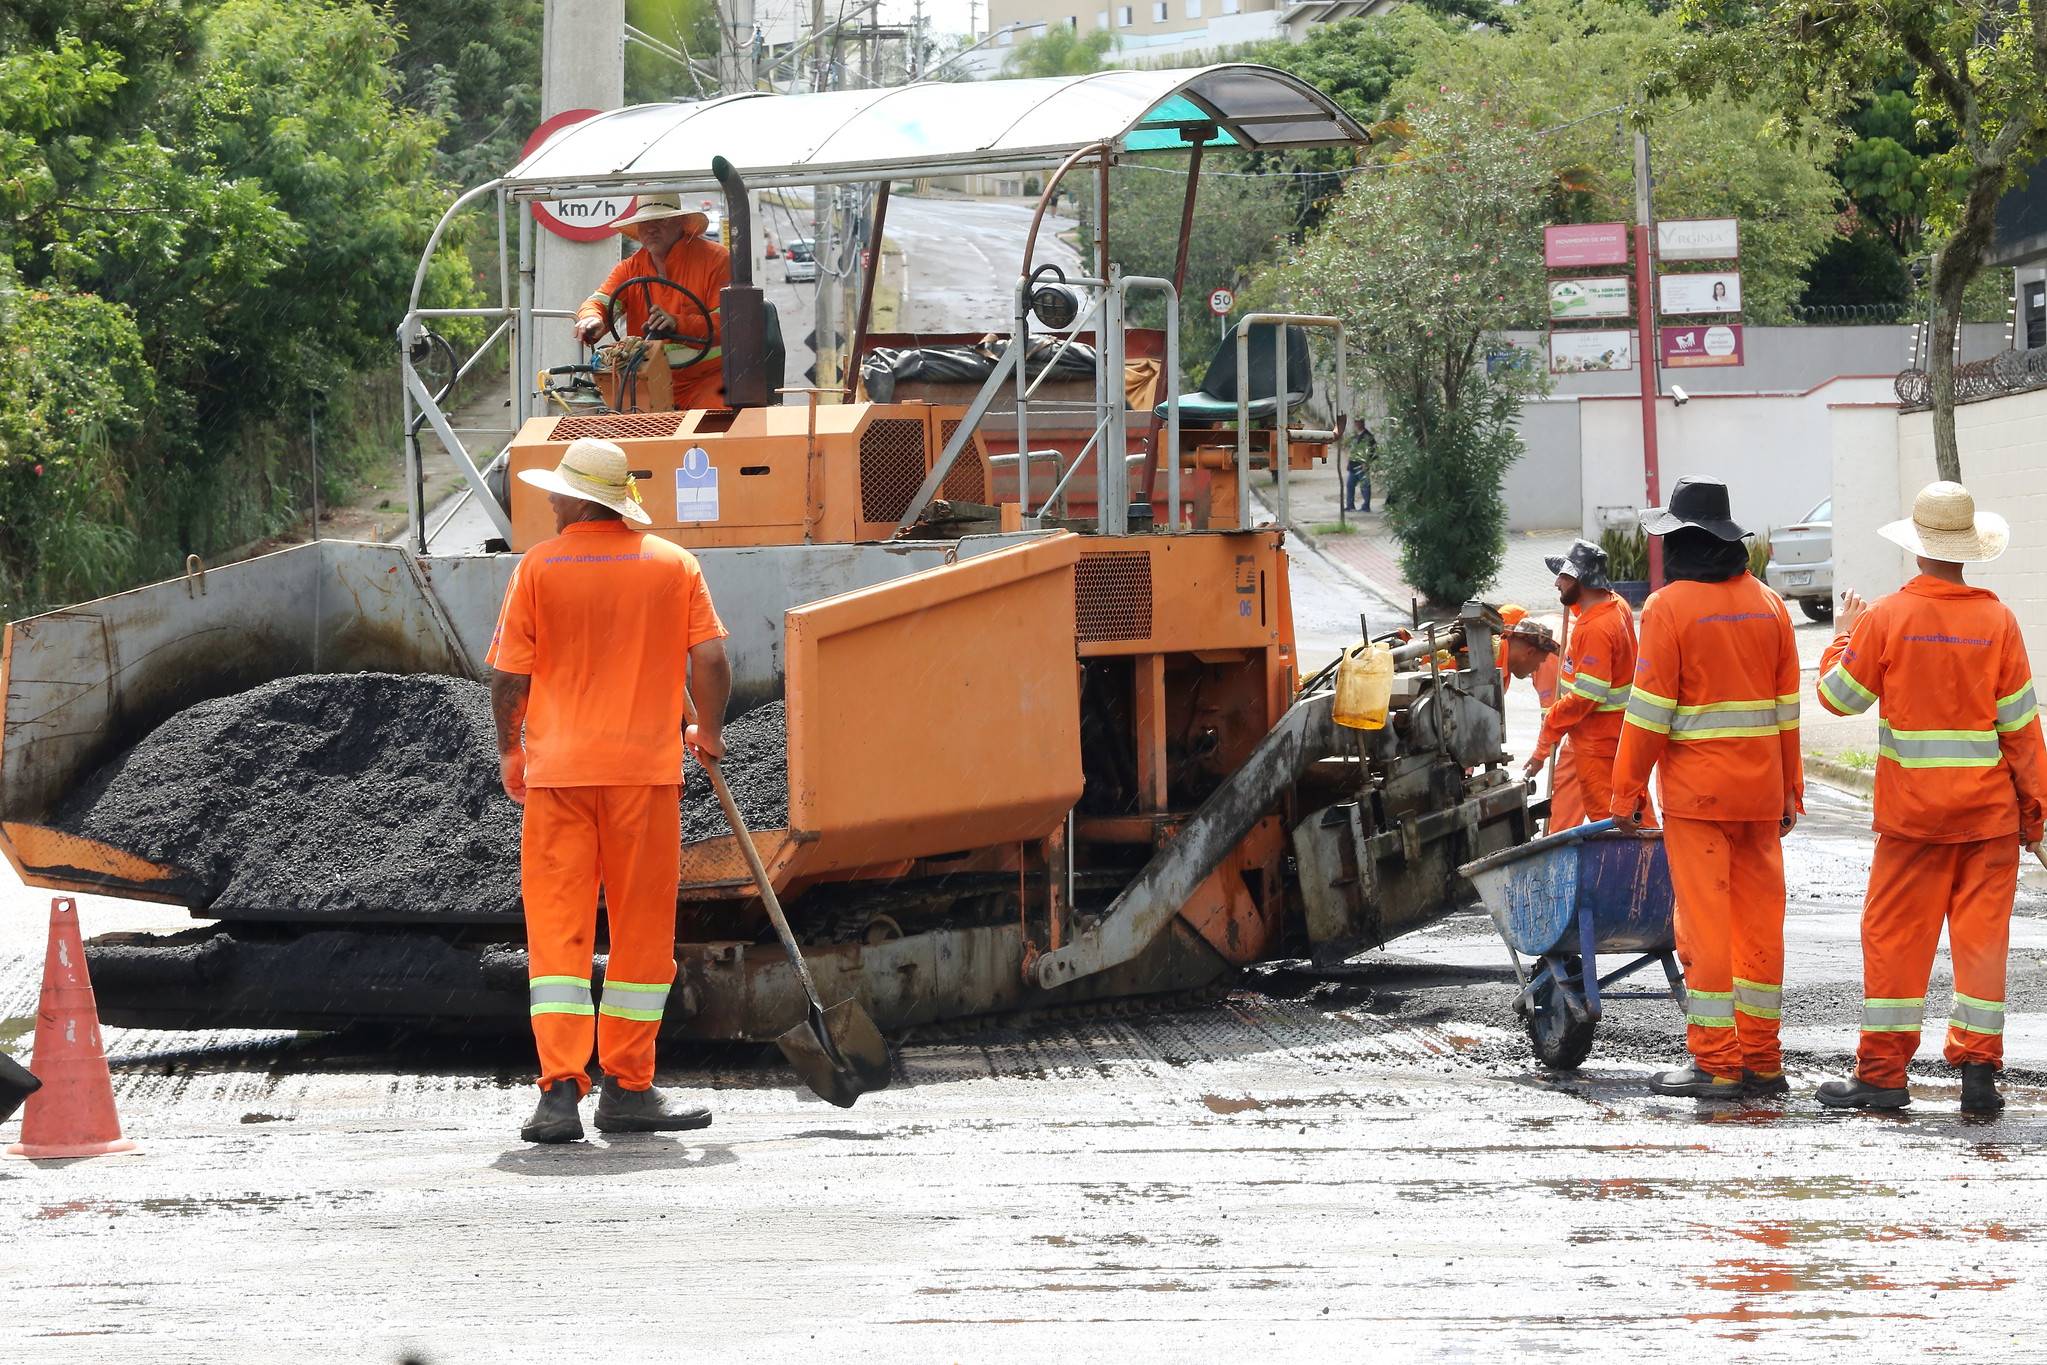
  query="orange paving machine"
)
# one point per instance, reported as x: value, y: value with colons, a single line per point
x: 1048, y: 738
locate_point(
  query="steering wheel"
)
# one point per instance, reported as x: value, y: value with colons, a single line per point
x: 702, y: 341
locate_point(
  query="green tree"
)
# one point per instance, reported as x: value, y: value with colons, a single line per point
x: 1428, y: 259
x: 1059, y: 51
x: 1981, y: 81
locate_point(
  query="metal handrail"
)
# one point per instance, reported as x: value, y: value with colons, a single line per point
x: 1283, y: 436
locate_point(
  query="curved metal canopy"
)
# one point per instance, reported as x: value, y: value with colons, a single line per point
x: 934, y: 129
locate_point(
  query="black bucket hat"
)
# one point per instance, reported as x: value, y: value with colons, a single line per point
x: 1584, y: 561
x: 1696, y: 502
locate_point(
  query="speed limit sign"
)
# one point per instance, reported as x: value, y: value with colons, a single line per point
x: 1221, y: 302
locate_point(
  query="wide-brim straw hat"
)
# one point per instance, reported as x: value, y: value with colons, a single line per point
x: 657, y: 206
x: 1945, y: 525
x: 594, y: 471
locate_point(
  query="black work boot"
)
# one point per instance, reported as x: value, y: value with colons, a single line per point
x: 1697, y: 1084
x: 620, y: 1110
x: 555, y: 1118
x: 1979, y: 1088
x: 1756, y: 1086
x: 1857, y: 1093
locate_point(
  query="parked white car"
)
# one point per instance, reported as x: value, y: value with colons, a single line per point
x: 799, y: 262
x: 1802, y: 562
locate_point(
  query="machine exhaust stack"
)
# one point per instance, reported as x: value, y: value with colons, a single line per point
x: 742, y: 307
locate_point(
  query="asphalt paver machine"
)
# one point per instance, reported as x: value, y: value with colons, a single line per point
x: 1048, y: 742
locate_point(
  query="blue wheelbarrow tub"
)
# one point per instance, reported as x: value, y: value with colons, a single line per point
x: 1534, y: 892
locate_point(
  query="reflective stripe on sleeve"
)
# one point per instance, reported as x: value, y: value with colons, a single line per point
x: 558, y: 995
x: 1893, y: 1015
x: 1758, y: 999
x: 633, y: 1000
x: 2017, y: 711
x: 1725, y: 720
x: 678, y: 350
x: 1848, y: 696
x: 1710, y: 1009
x: 1938, y: 748
x: 1651, y: 712
x: 1977, y: 1016
x: 1599, y: 691
x: 1787, y: 712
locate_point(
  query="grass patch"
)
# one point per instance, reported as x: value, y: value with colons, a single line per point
x: 1336, y: 528
x: 1856, y: 758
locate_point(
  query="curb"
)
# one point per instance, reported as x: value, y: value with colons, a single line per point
x: 1857, y: 781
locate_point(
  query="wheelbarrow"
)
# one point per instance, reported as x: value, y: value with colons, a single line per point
x: 1564, y: 900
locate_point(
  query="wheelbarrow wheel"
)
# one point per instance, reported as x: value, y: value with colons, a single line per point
x: 1560, y: 1039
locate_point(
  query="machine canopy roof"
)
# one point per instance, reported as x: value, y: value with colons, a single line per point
x: 933, y: 129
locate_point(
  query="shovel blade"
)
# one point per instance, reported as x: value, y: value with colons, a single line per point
x: 843, y: 1062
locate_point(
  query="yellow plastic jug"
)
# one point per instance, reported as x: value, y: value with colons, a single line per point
x: 1364, y: 687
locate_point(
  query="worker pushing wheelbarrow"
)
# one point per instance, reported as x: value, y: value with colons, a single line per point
x: 1566, y: 899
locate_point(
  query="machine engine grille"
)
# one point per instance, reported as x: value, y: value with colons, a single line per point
x: 617, y: 426
x: 965, y: 481
x: 1112, y: 596
x: 891, y: 467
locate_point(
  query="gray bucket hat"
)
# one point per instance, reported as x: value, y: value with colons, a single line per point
x: 1584, y: 561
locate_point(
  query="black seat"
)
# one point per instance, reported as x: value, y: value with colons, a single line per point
x: 1215, y: 402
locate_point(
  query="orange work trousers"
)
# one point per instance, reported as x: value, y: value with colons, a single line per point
x: 1913, y: 889
x: 1565, y: 807
x: 627, y: 840
x: 1729, y: 879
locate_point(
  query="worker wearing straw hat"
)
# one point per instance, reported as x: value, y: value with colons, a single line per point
x: 674, y: 248
x: 600, y: 629
x: 1961, y: 782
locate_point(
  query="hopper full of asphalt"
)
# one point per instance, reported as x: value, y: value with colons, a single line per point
x: 364, y: 795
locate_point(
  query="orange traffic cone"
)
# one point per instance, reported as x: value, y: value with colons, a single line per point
x: 73, y: 1114
x: 769, y: 239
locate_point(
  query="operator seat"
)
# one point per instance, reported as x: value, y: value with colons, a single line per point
x: 1215, y: 402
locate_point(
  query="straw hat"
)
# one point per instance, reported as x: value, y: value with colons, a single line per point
x: 655, y: 206
x: 594, y: 471
x: 1945, y: 525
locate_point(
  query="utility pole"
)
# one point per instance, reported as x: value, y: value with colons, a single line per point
x: 825, y: 61
x: 736, y: 52
x: 1645, y: 344
x: 582, y: 66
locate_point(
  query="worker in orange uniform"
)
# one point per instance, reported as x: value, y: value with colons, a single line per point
x: 598, y: 627
x: 1961, y: 780
x: 1528, y: 651
x: 683, y: 310
x: 1715, y: 710
x: 1592, y: 688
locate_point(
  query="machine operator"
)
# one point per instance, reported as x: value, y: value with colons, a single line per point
x: 600, y: 629
x: 680, y: 301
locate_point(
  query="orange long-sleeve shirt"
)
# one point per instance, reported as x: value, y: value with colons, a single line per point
x: 1714, y: 705
x: 1592, y: 688
x: 1959, y: 751
x: 702, y: 267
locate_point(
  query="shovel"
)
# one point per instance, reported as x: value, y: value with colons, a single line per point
x: 836, y: 1051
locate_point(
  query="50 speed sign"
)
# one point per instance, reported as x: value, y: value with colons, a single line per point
x: 1221, y: 301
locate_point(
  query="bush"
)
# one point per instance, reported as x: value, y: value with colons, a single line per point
x: 1444, y: 499
x: 1627, y: 554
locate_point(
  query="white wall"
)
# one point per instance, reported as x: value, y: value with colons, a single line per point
x: 1867, y: 482
x: 1542, y: 487
x: 1775, y: 451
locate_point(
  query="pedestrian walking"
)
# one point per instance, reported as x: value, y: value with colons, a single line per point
x: 1592, y: 687
x: 1714, y: 710
x: 1358, y: 471
x: 599, y: 630
x: 1961, y: 782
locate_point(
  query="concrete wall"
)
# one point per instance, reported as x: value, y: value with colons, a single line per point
x: 1775, y: 451
x: 1542, y: 487
x: 1783, y: 358
x: 1881, y: 462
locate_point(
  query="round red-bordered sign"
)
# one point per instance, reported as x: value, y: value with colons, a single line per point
x: 579, y: 220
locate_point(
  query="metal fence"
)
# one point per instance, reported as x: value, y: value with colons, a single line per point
x: 2008, y: 372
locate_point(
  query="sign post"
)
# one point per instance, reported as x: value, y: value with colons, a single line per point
x: 1645, y: 319
x: 1220, y: 302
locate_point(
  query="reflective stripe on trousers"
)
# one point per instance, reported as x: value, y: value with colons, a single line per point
x: 559, y: 995
x: 1756, y: 998
x: 1977, y: 1016
x: 1938, y: 748
x: 633, y: 1000
x: 1892, y: 1016
x: 1710, y: 1009
x: 2016, y: 711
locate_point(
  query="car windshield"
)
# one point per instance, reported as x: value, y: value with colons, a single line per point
x: 1823, y: 512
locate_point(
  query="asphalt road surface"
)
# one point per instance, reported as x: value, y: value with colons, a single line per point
x: 1361, y: 1164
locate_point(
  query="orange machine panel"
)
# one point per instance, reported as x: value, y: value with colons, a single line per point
x: 783, y: 475
x: 937, y: 712
x: 1154, y: 594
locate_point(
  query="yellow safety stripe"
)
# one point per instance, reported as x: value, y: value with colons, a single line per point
x: 1758, y: 999
x: 558, y: 995
x: 1977, y: 1016
x: 1938, y: 748
x: 1710, y: 1009
x: 2018, y: 710
x: 1726, y: 720
x: 1649, y: 711
x: 1896, y: 1014
x: 1843, y: 693
x: 634, y: 1000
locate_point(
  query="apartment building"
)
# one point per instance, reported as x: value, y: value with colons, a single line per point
x: 1145, y: 29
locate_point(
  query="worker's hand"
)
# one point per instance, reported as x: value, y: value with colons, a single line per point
x: 2038, y: 848
x: 1533, y: 765
x: 1629, y: 823
x: 706, y: 742
x: 1788, y: 821
x: 658, y: 322
x: 589, y: 329
x: 512, y: 769
x: 1851, y: 610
